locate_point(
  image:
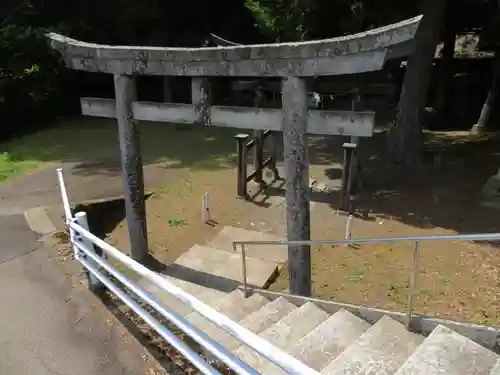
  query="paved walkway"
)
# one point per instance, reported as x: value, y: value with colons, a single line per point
x: 90, y: 180
x: 48, y: 327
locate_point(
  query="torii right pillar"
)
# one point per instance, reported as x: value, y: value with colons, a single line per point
x: 298, y: 196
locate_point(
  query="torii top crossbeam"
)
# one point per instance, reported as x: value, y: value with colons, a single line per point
x: 350, y: 54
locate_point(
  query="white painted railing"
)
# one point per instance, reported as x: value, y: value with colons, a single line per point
x: 99, y: 272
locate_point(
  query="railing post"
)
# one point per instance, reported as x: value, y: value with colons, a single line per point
x: 94, y: 285
x: 412, y: 284
x: 244, y: 270
x: 241, y: 140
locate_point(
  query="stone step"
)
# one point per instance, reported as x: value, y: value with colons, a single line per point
x: 234, y: 305
x: 325, y: 342
x: 204, y: 294
x: 224, y: 241
x: 446, y: 352
x: 259, y: 320
x: 382, y: 349
x: 496, y: 369
x: 285, y: 333
x: 329, y: 339
x: 268, y: 315
x: 219, y: 269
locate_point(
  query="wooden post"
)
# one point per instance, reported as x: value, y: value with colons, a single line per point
x: 295, y: 113
x: 131, y: 167
x: 241, y: 140
x: 274, y: 154
x: 258, y: 158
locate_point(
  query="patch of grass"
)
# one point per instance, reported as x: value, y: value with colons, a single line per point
x: 397, y: 294
x: 175, y: 223
x: 444, y: 280
x: 425, y: 292
x: 358, y: 276
x: 83, y: 139
x: 10, y: 167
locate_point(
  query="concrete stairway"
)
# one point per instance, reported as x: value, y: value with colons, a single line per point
x: 328, y: 338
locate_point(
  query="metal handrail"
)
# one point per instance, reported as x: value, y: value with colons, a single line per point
x: 255, y: 342
x: 472, y: 237
x: 416, y: 254
x: 166, y: 334
x: 279, y: 357
x: 238, y: 366
x: 83, y: 242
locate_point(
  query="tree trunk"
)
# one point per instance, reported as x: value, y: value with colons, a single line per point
x: 484, y: 117
x: 405, y: 138
x: 445, y: 71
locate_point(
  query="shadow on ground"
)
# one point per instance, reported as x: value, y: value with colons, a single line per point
x: 104, y: 215
x: 442, y: 193
x: 93, y: 145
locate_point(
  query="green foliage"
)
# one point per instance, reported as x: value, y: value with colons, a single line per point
x: 292, y: 20
x: 281, y: 20
x: 30, y: 77
x: 34, y: 86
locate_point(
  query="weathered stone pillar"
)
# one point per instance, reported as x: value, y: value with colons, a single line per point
x: 200, y: 90
x: 295, y: 113
x: 131, y: 167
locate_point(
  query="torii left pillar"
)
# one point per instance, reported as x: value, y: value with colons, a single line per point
x: 131, y: 161
x: 297, y: 191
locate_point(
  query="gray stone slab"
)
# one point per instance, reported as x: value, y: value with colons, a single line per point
x: 496, y: 369
x: 221, y: 269
x: 329, y: 339
x: 204, y: 294
x: 380, y: 350
x: 224, y: 241
x: 259, y: 320
x: 285, y: 333
x: 335, y: 56
x: 234, y: 305
x: 39, y: 221
x: 268, y: 315
x: 446, y: 352
x: 323, y: 122
x: 489, y: 337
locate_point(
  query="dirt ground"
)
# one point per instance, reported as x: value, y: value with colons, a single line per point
x: 456, y: 280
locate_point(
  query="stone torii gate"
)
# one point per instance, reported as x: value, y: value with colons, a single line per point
x: 293, y: 62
